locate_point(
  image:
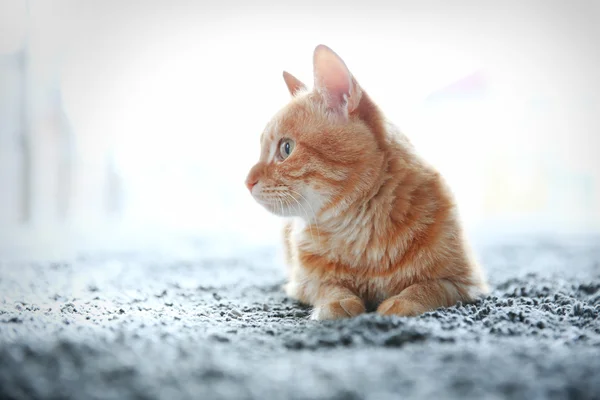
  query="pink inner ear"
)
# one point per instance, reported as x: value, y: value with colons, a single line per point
x: 332, y: 78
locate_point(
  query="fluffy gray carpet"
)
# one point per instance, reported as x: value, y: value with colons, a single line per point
x: 135, y: 326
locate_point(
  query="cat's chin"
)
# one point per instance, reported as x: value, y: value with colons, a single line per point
x: 277, y: 209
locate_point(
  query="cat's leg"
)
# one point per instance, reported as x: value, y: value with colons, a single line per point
x: 294, y: 291
x: 336, y: 302
x: 424, y: 296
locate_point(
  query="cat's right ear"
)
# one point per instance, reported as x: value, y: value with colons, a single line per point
x: 334, y: 81
x: 293, y: 84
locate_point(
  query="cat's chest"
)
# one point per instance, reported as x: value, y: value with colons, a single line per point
x: 353, y: 245
x: 369, y: 271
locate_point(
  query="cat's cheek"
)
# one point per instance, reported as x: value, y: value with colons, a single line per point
x: 315, y: 199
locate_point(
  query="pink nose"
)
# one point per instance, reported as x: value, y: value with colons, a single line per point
x: 250, y: 183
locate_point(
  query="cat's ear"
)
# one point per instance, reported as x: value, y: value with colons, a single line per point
x: 334, y: 81
x: 293, y: 84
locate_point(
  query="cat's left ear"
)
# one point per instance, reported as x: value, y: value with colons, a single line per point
x: 293, y: 84
x: 334, y: 81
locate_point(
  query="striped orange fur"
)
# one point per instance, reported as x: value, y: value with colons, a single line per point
x: 372, y: 225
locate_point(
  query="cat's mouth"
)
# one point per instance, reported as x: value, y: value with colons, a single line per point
x: 277, y: 201
x: 284, y: 202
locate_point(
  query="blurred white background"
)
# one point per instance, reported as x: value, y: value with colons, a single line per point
x: 131, y: 121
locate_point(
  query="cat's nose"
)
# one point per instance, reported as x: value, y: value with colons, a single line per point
x: 250, y: 183
x: 254, y: 175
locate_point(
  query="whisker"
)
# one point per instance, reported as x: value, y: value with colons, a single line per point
x: 305, y: 213
x: 287, y: 203
x: 280, y: 205
x: 311, y: 208
x: 293, y: 207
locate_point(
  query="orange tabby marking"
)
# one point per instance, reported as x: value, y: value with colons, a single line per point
x: 373, y: 224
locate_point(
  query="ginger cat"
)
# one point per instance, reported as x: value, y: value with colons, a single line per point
x: 375, y: 226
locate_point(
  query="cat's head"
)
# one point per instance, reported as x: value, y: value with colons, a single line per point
x: 319, y: 150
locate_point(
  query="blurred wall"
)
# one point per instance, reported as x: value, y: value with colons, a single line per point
x: 146, y: 116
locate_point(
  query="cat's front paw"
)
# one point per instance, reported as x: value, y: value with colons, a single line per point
x: 401, y: 307
x: 291, y: 289
x: 346, y: 308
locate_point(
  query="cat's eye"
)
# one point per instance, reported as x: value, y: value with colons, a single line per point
x: 285, y: 148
